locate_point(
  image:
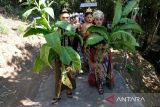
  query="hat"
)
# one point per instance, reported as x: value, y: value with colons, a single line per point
x: 64, y: 10
x: 98, y: 14
x: 89, y: 10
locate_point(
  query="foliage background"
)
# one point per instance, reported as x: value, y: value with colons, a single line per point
x: 148, y: 17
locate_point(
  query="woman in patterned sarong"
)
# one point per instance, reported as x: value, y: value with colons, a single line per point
x: 99, y: 58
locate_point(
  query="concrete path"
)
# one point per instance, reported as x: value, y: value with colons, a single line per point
x: 84, y: 95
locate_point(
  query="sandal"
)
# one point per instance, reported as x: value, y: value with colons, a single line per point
x: 69, y: 95
x: 55, y: 100
x: 100, y: 89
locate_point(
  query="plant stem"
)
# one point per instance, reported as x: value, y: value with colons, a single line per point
x: 58, y: 76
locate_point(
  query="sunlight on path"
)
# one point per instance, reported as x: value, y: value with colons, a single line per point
x: 84, y: 95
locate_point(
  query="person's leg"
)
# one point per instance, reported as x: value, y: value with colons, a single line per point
x: 100, y: 85
x: 58, y: 83
x: 73, y: 82
x: 99, y: 79
x: 72, y: 79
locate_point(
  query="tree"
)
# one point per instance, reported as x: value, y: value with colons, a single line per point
x: 149, y: 19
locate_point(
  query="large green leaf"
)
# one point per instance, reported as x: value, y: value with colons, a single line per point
x: 38, y: 65
x: 76, y: 61
x: 43, y: 21
x: 131, y: 26
x: 28, y: 12
x: 65, y: 57
x: 44, y: 54
x: 123, y: 45
x: 124, y: 36
x: 53, y: 40
x: 127, y: 21
x: 70, y: 56
x: 117, y: 13
x: 65, y: 25
x: 129, y: 7
x: 98, y: 29
x: 94, y: 39
x: 49, y: 11
x: 52, y: 55
x: 35, y: 31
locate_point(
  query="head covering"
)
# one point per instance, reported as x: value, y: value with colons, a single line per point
x: 98, y: 14
x: 89, y: 10
x: 64, y: 10
x: 64, y: 15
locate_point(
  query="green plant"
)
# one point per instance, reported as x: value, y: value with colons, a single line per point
x: 3, y: 28
x: 21, y: 28
x: 55, y: 48
x: 5, y: 2
x: 129, y: 68
x: 42, y: 8
x: 121, y: 35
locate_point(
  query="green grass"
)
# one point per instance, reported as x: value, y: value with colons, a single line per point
x: 3, y: 29
x: 21, y: 28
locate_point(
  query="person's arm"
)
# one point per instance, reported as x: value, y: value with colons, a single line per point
x: 83, y: 30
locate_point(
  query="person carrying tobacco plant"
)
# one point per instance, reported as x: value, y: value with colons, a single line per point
x: 59, y: 86
x: 56, y: 52
x: 98, y: 59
